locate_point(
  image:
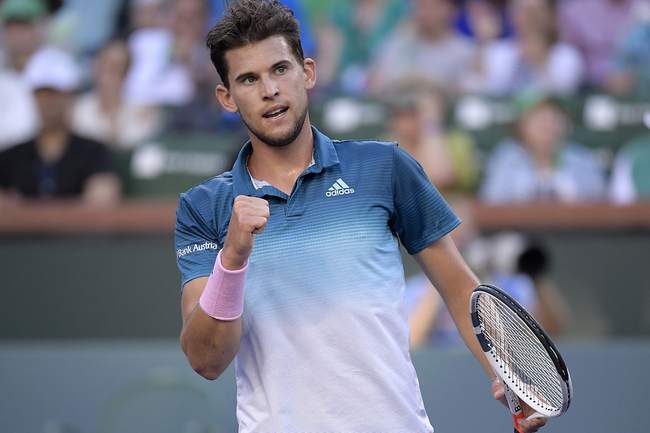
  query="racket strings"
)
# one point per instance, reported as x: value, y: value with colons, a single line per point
x: 522, y: 358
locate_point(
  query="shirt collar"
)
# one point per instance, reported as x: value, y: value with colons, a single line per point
x: 324, y: 156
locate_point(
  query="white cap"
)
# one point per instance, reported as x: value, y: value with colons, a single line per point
x: 52, y: 68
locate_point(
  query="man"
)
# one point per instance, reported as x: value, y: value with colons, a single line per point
x: 291, y: 262
x: 577, y: 21
x: 57, y: 164
x: 22, y: 25
x: 425, y: 46
x: 539, y: 163
x: 631, y: 171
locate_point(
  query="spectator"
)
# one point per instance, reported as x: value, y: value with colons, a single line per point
x: 350, y: 41
x: 426, y: 45
x: 160, y: 73
x: 538, y: 163
x: 22, y: 28
x: 477, y: 18
x: 57, y: 163
x: 631, y: 172
x: 203, y: 111
x: 18, y: 114
x: 24, y: 24
x: 595, y: 27
x: 532, y: 59
x: 629, y: 75
x: 418, y: 123
x: 103, y: 115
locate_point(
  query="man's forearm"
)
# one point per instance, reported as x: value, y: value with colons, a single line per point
x: 210, y: 344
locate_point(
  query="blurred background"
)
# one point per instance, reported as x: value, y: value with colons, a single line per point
x: 532, y: 118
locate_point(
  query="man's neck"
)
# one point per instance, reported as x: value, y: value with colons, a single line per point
x: 51, y: 144
x: 281, y: 166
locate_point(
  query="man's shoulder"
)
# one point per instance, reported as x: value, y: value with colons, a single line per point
x: 211, y: 199
x: 364, y: 145
x: 369, y: 152
x: 212, y: 189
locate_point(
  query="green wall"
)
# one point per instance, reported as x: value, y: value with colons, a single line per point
x: 128, y: 286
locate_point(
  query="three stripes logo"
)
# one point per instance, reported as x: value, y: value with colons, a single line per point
x: 339, y: 188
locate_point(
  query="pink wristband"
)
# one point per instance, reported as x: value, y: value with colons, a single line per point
x: 223, y: 297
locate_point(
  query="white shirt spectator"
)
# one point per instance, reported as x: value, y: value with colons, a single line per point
x: 405, y: 54
x: 154, y: 78
x: 18, y: 115
x: 505, y: 72
x: 132, y: 125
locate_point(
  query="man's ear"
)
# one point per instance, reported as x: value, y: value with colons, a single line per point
x: 226, y: 99
x: 310, y: 73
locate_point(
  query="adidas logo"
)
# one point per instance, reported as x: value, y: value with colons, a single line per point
x: 339, y: 188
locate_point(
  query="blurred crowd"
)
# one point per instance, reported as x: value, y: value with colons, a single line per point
x: 81, y: 81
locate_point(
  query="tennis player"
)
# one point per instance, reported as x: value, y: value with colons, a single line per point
x: 291, y: 263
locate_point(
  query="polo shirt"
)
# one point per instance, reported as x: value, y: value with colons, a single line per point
x: 325, y: 333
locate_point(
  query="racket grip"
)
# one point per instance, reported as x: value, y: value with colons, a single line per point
x: 516, y: 418
x: 515, y: 407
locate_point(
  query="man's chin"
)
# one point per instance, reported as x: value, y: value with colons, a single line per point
x: 279, y: 138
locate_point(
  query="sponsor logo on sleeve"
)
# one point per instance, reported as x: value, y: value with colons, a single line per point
x: 209, y: 245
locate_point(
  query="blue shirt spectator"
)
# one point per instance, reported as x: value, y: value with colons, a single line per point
x: 630, y: 75
x: 539, y: 163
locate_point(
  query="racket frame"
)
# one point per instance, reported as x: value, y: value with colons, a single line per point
x: 513, y: 392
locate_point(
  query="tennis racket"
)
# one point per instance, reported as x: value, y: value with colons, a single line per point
x: 521, y: 354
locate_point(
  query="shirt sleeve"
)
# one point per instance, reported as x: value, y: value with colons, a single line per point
x: 196, y: 241
x: 420, y: 215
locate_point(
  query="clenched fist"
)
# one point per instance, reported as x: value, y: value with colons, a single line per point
x: 249, y: 217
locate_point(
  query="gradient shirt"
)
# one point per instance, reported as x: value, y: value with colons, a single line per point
x: 325, y: 338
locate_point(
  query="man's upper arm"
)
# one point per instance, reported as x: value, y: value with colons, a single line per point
x: 446, y: 268
x: 420, y: 215
x: 196, y: 241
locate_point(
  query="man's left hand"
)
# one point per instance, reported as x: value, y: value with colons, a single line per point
x: 499, y: 393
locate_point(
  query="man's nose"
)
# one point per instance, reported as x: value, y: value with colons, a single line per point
x: 269, y: 87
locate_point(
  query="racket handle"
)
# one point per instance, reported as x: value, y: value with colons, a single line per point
x: 515, y: 418
x: 515, y: 407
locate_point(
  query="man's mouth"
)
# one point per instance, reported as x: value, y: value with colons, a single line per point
x: 275, y: 113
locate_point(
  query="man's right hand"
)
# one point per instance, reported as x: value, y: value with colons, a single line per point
x: 249, y: 217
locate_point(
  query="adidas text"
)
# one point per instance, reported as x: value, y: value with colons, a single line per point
x: 339, y: 192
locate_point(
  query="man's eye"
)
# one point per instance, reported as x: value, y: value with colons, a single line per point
x: 282, y: 69
x: 249, y: 80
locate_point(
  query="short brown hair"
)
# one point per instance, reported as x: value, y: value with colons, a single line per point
x: 248, y: 22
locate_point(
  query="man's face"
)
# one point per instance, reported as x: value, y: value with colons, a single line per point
x: 54, y: 107
x: 268, y: 87
x: 190, y: 18
x: 405, y: 125
x: 530, y: 15
x: 543, y: 129
x: 431, y: 15
x: 21, y: 37
x: 111, y: 66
